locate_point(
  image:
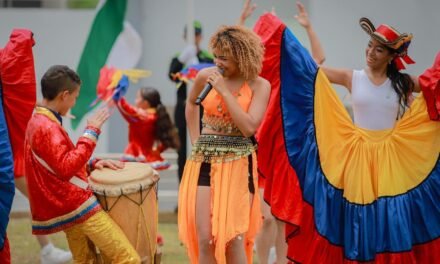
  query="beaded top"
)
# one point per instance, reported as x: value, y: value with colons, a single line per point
x: 216, y: 116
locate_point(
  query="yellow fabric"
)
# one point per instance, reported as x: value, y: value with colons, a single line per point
x: 134, y: 75
x: 232, y: 212
x: 101, y: 231
x: 46, y: 112
x: 370, y: 164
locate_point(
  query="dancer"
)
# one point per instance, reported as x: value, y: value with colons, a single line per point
x: 56, y: 174
x: 363, y: 191
x: 150, y: 128
x: 219, y: 210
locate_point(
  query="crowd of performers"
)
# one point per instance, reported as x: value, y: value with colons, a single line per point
x: 341, y: 190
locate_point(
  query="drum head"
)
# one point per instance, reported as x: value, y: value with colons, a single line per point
x: 133, y: 177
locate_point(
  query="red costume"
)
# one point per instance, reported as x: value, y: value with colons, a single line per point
x: 56, y: 174
x: 430, y: 84
x: 142, y: 143
x: 17, y: 100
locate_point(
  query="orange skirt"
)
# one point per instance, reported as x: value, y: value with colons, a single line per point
x: 232, y: 211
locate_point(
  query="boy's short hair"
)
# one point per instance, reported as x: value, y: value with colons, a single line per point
x: 57, y: 79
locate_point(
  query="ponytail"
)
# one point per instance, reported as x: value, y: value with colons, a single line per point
x: 402, y: 84
x: 166, y: 132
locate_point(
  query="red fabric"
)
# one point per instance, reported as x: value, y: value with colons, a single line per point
x: 19, y: 90
x: 5, y: 253
x: 281, y: 188
x: 141, y: 132
x: 105, y: 78
x: 430, y: 84
x: 398, y: 60
x: 386, y: 31
x: 52, y: 195
x: 308, y: 240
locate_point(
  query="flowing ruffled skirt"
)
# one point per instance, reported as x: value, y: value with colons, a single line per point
x: 354, y: 195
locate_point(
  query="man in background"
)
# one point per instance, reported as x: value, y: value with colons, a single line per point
x: 191, y: 54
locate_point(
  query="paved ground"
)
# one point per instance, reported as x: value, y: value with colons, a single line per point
x: 168, y: 186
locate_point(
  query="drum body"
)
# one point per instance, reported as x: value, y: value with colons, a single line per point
x: 129, y: 196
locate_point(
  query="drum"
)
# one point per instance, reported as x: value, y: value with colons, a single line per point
x: 129, y: 196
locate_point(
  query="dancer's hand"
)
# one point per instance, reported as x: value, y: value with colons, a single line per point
x: 273, y: 12
x: 246, y: 12
x: 218, y: 82
x: 302, y: 17
x: 99, y: 118
x: 111, y: 164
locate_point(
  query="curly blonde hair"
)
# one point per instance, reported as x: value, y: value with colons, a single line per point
x: 243, y: 45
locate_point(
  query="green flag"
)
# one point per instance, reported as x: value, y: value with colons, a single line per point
x: 111, y: 42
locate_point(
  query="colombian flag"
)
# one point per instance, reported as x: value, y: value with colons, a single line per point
x: 347, y: 194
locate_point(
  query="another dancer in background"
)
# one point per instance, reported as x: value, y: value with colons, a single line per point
x: 150, y: 128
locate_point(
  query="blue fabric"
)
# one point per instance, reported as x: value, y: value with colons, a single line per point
x: 7, y: 187
x: 389, y: 224
x: 59, y: 223
x: 197, y: 67
x: 121, y: 89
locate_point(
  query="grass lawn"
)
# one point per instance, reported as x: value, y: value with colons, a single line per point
x: 25, y: 248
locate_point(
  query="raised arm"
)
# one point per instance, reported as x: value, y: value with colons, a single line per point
x: 303, y: 19
x: 57, y: 151
x: 339, y: 76
x: 248, y: 9
x: 128, y: 112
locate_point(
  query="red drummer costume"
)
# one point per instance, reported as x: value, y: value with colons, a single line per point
x: 56, y: 173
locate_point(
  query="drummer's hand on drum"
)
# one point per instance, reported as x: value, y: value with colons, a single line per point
x: 112, y: 164
x: 99, y: 118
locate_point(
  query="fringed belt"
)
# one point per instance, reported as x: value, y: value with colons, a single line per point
x: 220, y: 148
x: 220, y: 124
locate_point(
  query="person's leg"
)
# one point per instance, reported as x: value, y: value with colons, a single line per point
x: 49, y: 253
x: 180, y: 121
x: 235, y: 251
x: 108, y: 237
x: 79, y: 244
x: 266, y: 237
x: 280, y: 243
x: 203, y: 225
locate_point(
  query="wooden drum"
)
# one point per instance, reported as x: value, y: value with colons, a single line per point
x: 129, y: 196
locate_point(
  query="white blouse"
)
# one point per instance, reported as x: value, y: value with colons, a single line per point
x: 374, y: 107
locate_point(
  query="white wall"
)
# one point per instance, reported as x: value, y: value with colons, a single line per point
x: 60, y: 35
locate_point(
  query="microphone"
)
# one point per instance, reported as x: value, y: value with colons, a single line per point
x: 206, y: 90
